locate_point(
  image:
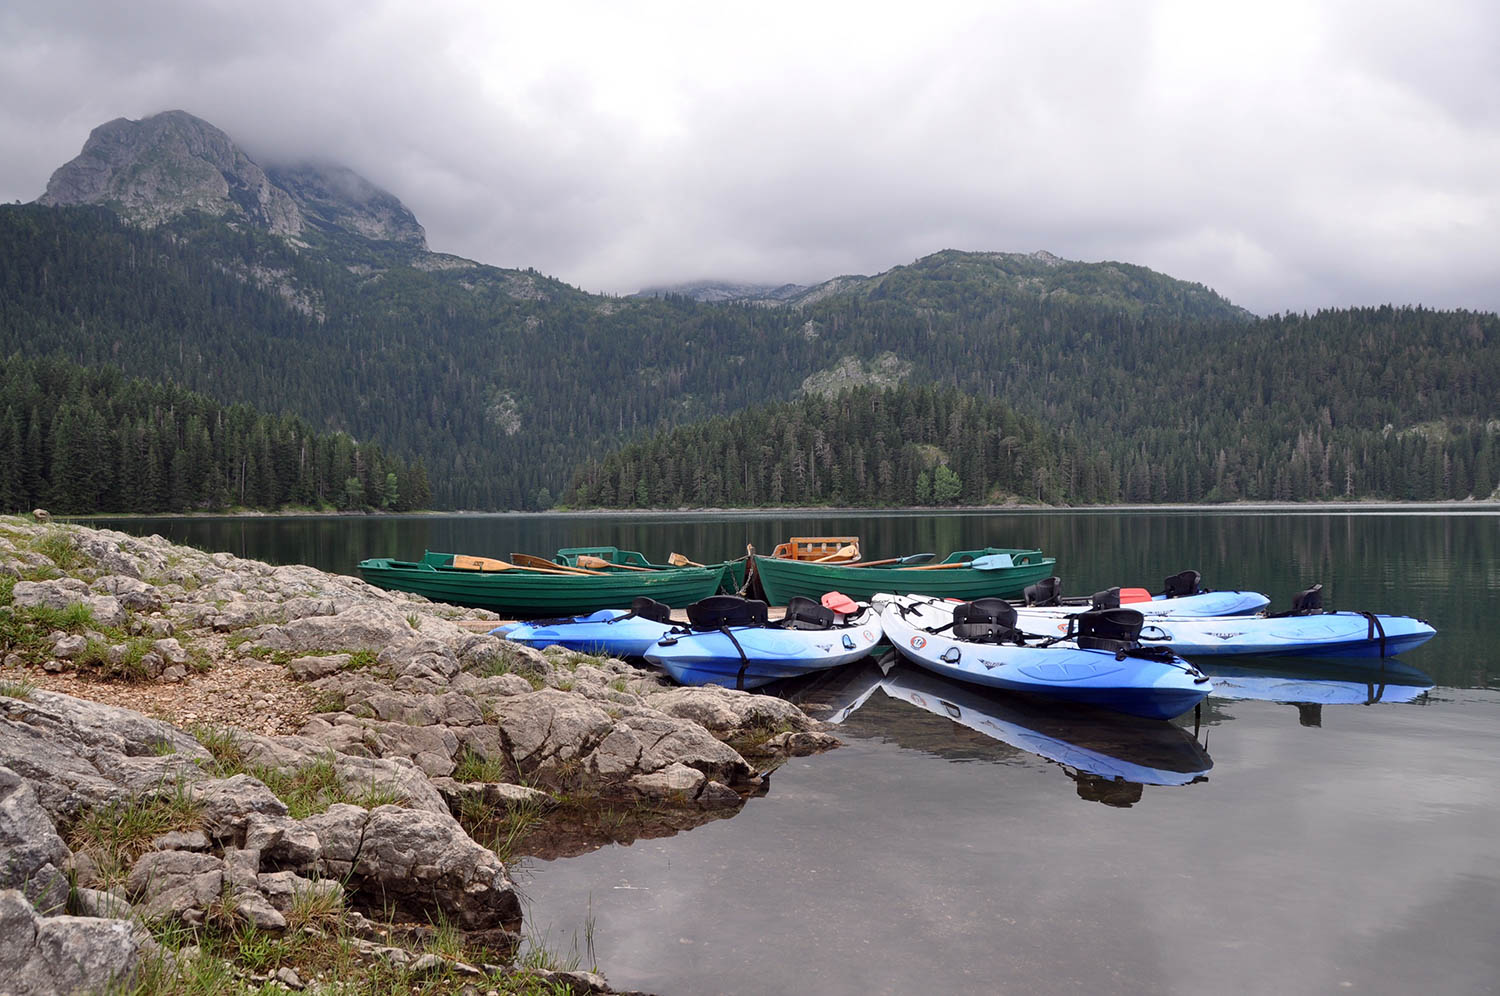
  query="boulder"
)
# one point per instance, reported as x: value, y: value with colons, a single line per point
x: 32, y: 856
x: 542, y: 729
x: 175, y: 885
x: 79, y: 754
x: 63, y: 955
x: 422, y: 864
x: 729, y: 713
x: 361, y: 627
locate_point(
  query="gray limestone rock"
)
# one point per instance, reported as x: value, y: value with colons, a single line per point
x: 32, y: 855
x: 309, y: 668
x: 64, y: 955
x: 169, y: 885
x: 159, y: 167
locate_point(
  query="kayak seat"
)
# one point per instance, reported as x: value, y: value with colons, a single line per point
x: 717, y: 611
x: 1309, y: 602
x: 1045, y: 592
x: 985, y: 620
x: 804, y: 613
x: 1109, y: 598
x: 1108, y: 629
x: 649, y: 608
x: 1183, y: 584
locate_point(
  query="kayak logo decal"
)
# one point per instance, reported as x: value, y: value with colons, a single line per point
x: 1225, y: 636
x: 867, y: 635
x: 918, y: 642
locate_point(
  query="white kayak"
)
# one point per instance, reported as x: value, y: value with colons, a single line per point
x: 1102, y: 666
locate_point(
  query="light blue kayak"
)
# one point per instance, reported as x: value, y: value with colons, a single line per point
x: 729, y: 642
x: 1110, y: 674
x: 1328, y: 634
x: 608, y: 632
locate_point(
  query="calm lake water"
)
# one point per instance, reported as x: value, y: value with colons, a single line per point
x: 962, y: 842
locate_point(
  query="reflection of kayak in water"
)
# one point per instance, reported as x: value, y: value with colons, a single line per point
x: 832, y: 696
x: 1105, y: 746
x: 1320, y: 682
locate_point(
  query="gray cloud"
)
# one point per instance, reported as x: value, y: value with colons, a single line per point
x: 1292, y: 156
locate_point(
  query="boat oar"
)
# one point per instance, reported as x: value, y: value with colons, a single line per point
x: 993, y: 562
x: 678, y: 560
x: 466, y: 563
x: 585, y: 560
x: 543, y: 564
x: 842, y: 553
x: 915, y: 558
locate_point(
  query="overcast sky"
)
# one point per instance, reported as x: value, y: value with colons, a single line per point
x: 1291, y: 156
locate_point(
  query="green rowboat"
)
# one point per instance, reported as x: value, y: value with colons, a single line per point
x: 783, y: 579
x: 523, y: 594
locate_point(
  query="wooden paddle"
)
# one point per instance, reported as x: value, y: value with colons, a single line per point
x: 842, y: 553
x: 915, y: 558
x: 466, y: 563
x: 543, y: 564
x: 585, y: 560
x: 993, y: 562
x: 678, y: 560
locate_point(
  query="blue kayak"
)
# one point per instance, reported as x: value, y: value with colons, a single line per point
x: 1328, y: 634
x: 1095, y: 668
x: 729, y: 642
x: 608, y: 632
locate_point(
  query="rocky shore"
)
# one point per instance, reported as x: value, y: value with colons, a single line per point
x: 220, y: 775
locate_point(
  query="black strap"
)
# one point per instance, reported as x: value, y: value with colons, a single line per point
x: 1373, y: 628
x: 739, y: 680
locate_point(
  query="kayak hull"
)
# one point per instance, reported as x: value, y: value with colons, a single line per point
x: 608, y: 632
x: 1331, y: 634
x: 712, y: 658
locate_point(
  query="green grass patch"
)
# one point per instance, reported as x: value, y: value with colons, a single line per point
x: 16, y: 688
x: 7, y: 589
x: 472, y: 767
x: 117, y: 833
x: 60, y: 546
x: 308, y: 789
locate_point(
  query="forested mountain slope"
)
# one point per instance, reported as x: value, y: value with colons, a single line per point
x: 318, y: 297
x: 82, y: 440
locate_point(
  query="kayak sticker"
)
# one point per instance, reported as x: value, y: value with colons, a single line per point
x: 918, y: 642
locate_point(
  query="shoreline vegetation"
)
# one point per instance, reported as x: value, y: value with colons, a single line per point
x: 1351, y: 504
x: 217, y: 775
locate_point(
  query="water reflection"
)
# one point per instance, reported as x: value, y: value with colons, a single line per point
x: 1318, y: 682
x: 1110, y: 758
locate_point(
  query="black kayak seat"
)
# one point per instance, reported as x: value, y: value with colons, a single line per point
x: 985, y: 620
x: 1045, y: 592
x: 1109, y: 598
x: 1182, y: 584
x: 717, y: 611
x: 1108, y: 629
x: 804, y: 613
x: 1309, y: 602
x: 649, y: 608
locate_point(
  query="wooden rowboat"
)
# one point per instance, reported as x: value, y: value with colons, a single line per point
x: 527, y: 593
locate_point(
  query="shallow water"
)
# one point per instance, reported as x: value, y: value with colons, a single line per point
x: 984, y: 844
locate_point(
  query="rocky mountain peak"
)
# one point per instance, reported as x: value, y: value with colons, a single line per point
x: 155, y: 169
x: 162, y: 166
x: 335, y: 197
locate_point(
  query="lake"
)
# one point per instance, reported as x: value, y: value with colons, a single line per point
x: 962, y: 842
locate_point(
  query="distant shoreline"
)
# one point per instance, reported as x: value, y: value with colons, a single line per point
x: 1352, y: 507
